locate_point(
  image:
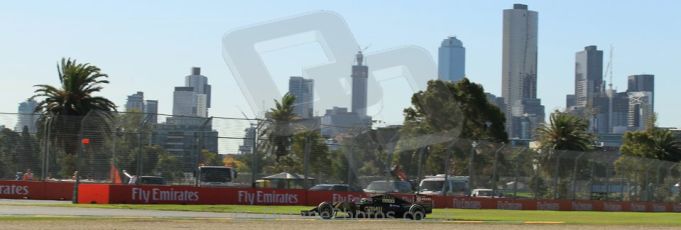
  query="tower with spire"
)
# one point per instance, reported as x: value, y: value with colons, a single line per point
x: 360, y: 75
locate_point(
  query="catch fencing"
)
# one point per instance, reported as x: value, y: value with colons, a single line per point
x: 104, y: 147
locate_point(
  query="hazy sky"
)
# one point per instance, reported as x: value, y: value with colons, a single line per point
x: 151, y: 45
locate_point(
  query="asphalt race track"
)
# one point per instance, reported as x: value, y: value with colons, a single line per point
x: 23, y: 207
x: 39, y: 216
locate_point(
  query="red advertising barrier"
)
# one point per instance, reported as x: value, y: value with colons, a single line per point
x: 36, y: 190
x: 130, y: 194
x: 557, y: 205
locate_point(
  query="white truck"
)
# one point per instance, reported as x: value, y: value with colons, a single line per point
x: 436, y: 185
x: 216, y: 176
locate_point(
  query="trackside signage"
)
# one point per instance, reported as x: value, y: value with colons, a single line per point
x: 36, y: 190
x: 129, y: 194
x: 152, y: 195
x: 264, y: 197
x: 21, y: 190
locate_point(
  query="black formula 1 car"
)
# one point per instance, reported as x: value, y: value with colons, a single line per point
x: 379, y: 206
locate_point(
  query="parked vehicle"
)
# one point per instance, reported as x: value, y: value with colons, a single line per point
x: 152, y: 180
x: 436, y: 185
x: 216, y: 176
x: 334, y: 187
x: 485, y: 193
x: 382, y: 186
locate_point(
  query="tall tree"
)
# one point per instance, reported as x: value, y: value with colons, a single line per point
x: 319, y: 157
x: 9, y: 160
x: 64, y: 107
x: 655, y: 143
x: 279, y: 128
x: 643, y: 152
x: 29, y: 156
x: 440, y: 117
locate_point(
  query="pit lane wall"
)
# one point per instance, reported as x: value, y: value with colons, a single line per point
x: 130, y: 194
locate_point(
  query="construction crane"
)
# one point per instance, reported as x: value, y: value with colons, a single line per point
x: 610, y: 92
x: 609, y: 67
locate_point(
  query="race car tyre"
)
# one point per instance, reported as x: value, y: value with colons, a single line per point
x: 416, y: 212
x: 326, y: 210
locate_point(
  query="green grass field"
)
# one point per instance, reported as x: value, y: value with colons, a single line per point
x: 501, y: 216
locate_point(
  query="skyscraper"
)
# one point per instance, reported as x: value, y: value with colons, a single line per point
x: 588, y: 76
x: 27, y: 116
x: 199, y: 83
x: 194, y: 98
x: 151, y: 110
x: 641, y: 92
x: 451, y: 60
x: 360, y: 75
x: 135, y: 103
x: 303, y: 90
x: 519, y: 70
x: 640, y: 110
x: 643, y: 83
x: 188, y: 103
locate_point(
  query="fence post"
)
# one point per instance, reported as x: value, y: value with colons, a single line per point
x: 647, y: 187
x: 669, y: 174
x: 350, y: 163
x: 139, y: 155
x: 449, y: 155
x: 555, y: 175
x: 46, y: 161
x: 306, y: 160
x: 515, y: 176
x: 494, y: 170
x: 607, y: 182
x: 254, y: 157
x: 419, y: 173
x: 658, y: 182
x: 574, y: 176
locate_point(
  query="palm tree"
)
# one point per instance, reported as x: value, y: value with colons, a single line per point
x: 666, y: 146
x: 565, y: 132
x: 66, y: 105
x: 279, y: 130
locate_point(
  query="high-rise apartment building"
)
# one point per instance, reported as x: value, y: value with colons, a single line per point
x: 451, y: 60
x: 303, y: 90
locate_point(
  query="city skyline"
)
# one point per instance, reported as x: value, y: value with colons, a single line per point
x: 559, y: 71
